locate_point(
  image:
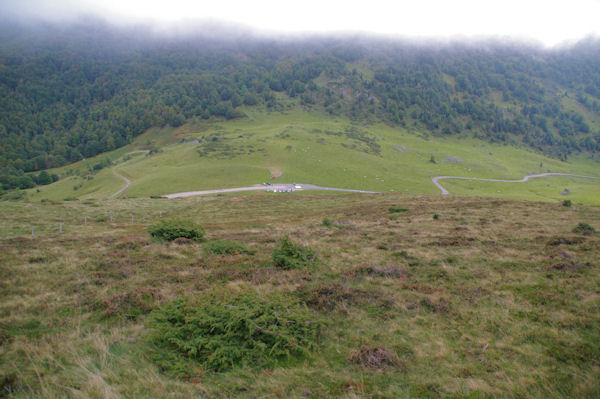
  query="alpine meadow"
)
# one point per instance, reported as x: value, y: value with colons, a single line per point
x: 220, y: 214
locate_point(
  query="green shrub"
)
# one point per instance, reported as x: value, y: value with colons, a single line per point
x: 289, y: 255
x: 567, y: 203
x: 584, y: 228
x: 225, y: 247
x: 327, y: 222
x: 14, y: 195
x: 168, y: 230
x: 101, y: 219
x: 220, y: 330
x: 436, y: 216
x: 397, y: 209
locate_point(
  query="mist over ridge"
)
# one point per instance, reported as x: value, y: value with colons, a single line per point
x: 549, y: 22
x: 222, y: 32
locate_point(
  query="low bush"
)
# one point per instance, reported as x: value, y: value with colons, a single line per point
x: 397, y: 209
x: 584, y: 228
x: 168, y: 230
x: 46, y: 201
x: 289, y: 255
x: 14, y: 195
x: 567, y: 203
x: 225, y: 247
x: 220, y: 330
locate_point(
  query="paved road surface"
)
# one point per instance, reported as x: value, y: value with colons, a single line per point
x: 127, y: 183
x: 272, y: 188
x: 523, y: 180
x: 299, y: 187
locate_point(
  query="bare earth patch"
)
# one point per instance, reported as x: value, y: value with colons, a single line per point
x: 275, y: 173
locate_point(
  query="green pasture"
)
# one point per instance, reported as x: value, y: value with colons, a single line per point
x: 312, y: 147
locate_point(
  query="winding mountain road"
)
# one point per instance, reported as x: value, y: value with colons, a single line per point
x: 300, y: 187
x: 127, y: 183
x: 436, y: 179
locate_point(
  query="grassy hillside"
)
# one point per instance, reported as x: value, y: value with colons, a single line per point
x: 490, y: 298
x: 491, y: 291
x: 311, y: 147
x: 74, y: 92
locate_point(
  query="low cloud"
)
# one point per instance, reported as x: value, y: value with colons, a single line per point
x: 550, y: 22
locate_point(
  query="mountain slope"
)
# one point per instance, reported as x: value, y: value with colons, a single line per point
x: 316, y: 148
x: 75, y: 92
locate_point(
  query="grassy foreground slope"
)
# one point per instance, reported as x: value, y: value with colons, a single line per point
x: 311, y: 147
x: 491, y: 298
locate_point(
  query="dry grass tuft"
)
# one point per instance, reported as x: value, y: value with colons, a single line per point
x: 373, y: 357
x: 455, y: 241
x: 331, y: 295
x: 131, y: 303
x: 565, y: 241
x: 182, y: 241
x: 388, y: 271
x: 436, y: 304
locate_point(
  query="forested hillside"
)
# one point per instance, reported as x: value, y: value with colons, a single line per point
x: 75, y: 92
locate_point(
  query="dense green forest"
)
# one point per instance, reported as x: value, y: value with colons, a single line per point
x: 73, y: 92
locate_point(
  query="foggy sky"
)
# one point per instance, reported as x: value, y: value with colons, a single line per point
x: 549, y: 22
